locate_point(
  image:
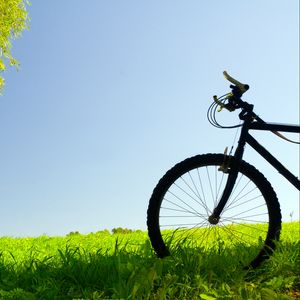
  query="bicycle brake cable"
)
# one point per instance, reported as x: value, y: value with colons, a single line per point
x: 234, y: 140
x: 217, y: 106
x: 285, y: 138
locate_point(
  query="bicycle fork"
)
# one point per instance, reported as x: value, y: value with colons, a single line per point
x: 231, y: 166
x: 214, y: 218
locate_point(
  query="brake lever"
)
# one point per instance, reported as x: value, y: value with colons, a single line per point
x: 240, y: 86
x: 229, y: 106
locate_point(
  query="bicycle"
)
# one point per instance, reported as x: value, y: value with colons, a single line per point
x: 212, y: 201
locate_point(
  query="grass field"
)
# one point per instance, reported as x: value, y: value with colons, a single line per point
x: 123, y: 266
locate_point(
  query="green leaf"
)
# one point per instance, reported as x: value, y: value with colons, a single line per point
x: 267, y: 294
x: 13, y: 20
x: 207, y: 297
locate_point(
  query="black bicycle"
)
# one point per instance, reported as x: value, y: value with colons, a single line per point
x: 213, y: 201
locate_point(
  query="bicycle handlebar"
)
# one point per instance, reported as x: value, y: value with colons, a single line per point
x: 232, y: 101
x: 241, y: 86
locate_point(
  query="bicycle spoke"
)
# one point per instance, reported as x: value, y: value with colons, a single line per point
x: 220, y: 185
x: 235, y: 199
x: 236, y: 234
x: 247, y: 226
x: 203, y: 202
x: 183, y: 208
x: 211, y: 189
x: 185, y: 224
x: 247, y: 201
x: 203, y: 193
x: 240, y: 213
x: 181, y: 200
x: 246, y: 218
x: 192, y: 214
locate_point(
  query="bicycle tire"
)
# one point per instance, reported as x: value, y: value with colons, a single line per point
x: 182, y: 194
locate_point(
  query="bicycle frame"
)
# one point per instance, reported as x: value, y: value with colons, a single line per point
x: 247, y: 138
x: 267, y: 155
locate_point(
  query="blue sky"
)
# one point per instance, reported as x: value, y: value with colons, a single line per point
x: 111, y: 94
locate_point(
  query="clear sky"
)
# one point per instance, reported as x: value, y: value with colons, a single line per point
x: 111, y: 94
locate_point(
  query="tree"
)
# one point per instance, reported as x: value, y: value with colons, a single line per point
x: 13, y: 20
x: 121, y: 230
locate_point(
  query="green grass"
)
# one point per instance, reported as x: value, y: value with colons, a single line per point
x: 123, y: 266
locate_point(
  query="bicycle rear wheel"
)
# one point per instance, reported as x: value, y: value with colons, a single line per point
x: 185, y: 197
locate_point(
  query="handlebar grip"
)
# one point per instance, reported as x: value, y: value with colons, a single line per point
x: 242, y: 87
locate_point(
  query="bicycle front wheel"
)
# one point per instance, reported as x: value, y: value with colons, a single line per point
x: 185, y: 197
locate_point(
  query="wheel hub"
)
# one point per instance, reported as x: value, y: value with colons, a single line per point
x: 213, y: 220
